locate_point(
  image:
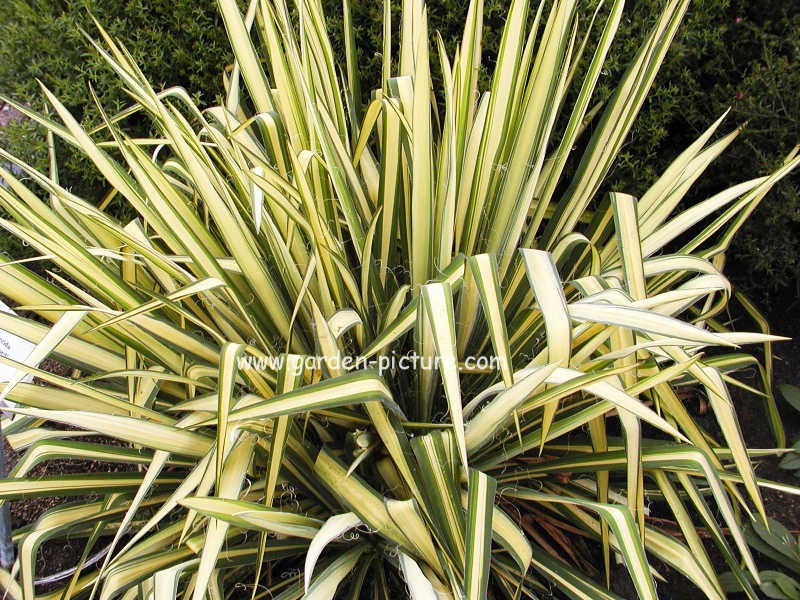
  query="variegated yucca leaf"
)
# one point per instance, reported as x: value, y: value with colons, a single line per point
x: 398, y: 342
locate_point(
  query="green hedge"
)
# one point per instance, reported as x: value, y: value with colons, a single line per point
x: 729, y: 53
x: 176, y: 42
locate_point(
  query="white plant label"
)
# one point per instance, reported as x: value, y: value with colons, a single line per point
x: 13, y: 347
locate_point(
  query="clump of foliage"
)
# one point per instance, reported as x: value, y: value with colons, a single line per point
x: 295, y: 226
x: 773, y: 541
x: 791, y: 460
x: 766, y: 255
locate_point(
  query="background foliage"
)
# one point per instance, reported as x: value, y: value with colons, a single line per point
x: 180, y: 42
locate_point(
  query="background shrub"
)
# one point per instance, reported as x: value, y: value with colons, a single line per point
x: 742, y: 55
x: 180, y: 42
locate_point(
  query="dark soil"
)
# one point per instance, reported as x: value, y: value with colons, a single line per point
x: 57, y: 556
x: 753, y: 420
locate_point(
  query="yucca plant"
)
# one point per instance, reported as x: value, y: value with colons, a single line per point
x: 401, y: 349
